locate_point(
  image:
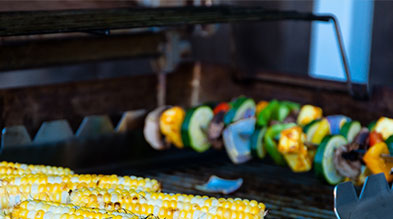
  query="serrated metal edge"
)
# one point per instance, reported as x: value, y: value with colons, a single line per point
x: 128, y: 119
x: 52, y: 131
x: 14, y: 136
x: 374, y: 185
x: 95, y: 125
x: 345, y: 199
x: 91, y: 126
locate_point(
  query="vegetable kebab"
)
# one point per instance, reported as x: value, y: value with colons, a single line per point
x: 292, y: 135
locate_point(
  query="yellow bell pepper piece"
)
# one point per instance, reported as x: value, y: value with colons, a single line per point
x: 308, y: 113
x: 376, y: 163
x: 294, y: 151
x: 260, y: 106
x: 323, y: 130
x: 384, y: 126
x: 299, y: 162
x: 170, y: 125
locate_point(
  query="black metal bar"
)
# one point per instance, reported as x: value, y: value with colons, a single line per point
x: 326, y: 18
x: 343, y: 55
x: 43, y: 53
x: 41, y: 22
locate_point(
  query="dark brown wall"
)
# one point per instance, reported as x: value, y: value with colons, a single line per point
x: 34, y: 105
x: 381, y: 66
x: 278, y: 46
x: 281, y: 46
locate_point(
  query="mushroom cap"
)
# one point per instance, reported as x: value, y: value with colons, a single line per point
x: 152, y: 132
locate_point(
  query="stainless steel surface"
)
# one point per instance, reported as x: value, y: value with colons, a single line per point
x: 374, y: 201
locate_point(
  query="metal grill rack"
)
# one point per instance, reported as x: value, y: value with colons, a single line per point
x: 286, y: 194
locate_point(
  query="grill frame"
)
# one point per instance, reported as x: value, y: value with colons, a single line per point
x: 285, y: 194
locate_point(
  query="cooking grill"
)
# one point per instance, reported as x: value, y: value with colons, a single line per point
x: 286, y: 194
x: 285, y: 198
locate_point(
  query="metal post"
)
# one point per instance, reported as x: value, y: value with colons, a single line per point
x: 343, y: 55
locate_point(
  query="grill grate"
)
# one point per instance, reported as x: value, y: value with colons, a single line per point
x: 286, y: 194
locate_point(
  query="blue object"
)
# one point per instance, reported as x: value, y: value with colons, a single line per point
x: 250, y: 112
x: 336, y: 122
x: 355, y: 19
x: 220, y: 185
x: 237, y: 137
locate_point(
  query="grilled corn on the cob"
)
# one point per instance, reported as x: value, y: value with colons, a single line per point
x: 167, y: 205
x: 43, y: 192
x: 34, y: 209
x: 18, y: 168
x: 17, y: 188
x: 102, y: 181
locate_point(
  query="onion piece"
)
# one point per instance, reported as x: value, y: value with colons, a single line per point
x: 151, y: 131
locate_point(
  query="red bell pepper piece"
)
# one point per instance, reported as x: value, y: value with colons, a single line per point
x: 222, y: 107
x: 375, y: 138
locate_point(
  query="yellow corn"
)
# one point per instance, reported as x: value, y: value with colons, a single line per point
x: 6, y: 170
x: 11, y: 195
x: 102, y: 181
x: 35, y: 209
x: 18, y: 168
x: 167, y: 205
x: 14, y: 189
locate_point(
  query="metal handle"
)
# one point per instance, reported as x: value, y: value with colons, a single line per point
x: 343, y: 55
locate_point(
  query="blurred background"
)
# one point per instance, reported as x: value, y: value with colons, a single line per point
x: 291, y: 47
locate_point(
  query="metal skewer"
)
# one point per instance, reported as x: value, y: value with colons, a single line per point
x: 310, y: 146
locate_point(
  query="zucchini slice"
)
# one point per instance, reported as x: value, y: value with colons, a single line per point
x: 257, y: 146
x: 389, y: 143
x: 324, y: 163
x: 321, y: 132
x: 310, y: 129
x: 350, y: 130
x: 242, y: 108
x: 194, y: 128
